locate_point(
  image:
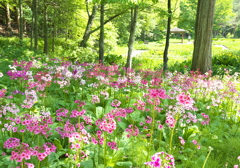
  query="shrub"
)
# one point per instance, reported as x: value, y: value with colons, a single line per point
x: 81, y: 55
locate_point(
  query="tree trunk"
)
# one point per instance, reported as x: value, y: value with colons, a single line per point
x: 32, y: 27
x: 87, y: 32
x: 53, y: 37
x: 35, y: 24
x: 20, y: 20
x: 8, y: 19
x: 134, y: 14
x: 101, y: 39
x: 202, y: 53
x: 165, y: 54
x: 45, y: 50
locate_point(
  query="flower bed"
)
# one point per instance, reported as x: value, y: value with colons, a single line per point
x: 60, y: 114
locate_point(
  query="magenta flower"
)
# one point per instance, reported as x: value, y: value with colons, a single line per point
x: 157, y: 93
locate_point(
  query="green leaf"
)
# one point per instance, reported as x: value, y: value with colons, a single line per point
x: 122, y: 125
x: 201, y: 160
x: 58, y: 144
x: 124, y: 164
x: 87, y: 164
x: 99, y: 112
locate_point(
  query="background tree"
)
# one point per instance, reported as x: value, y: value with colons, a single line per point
x: 236, y: 10
x: 223, y: 18
x: 187, y: 16
x: 165, y: 54
x: 134, y: 15
x: 5, y: 4
x: 20, y: 26
x: 101, y: 39
x: 202, y: 54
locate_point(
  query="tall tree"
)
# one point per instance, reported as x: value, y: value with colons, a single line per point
x: 45, y: 28
x: 134, y: 14
x: 101, y: 39
x: 91, y: 17
x: 8, y: 18
x: 20, y: 26
x: 165, y: 54
x: 35, y: 23
x: 202, y: 53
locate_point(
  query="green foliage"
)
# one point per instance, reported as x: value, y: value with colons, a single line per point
x: 81, y: 55
x: 11, y: 49
x: 114, y: 59
x: 146, y: 62
x: 182, y: 67
x: 226, y: 60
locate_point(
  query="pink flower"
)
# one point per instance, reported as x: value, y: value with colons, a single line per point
x: 95, y: 99
x: 29, y: 165
x: 182, y: 141
x: 160, y: 93
x: 116, y: 103
x: 184, y: 99
x: 194, y: 142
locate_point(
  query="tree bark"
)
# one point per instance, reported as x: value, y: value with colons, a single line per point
x: 134, y: 14
x: 165, y: 54
x: 202, y: 53
x: 101, y: 39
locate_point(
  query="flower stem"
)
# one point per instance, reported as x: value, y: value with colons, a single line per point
x: 205, y: 161
x: 105, y: 149
x: 171, y: 138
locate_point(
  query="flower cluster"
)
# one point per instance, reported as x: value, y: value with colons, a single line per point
x: 161, y: 160
x: 31, y: 99
x: 18, y: 74
x: 2, y: 93
x: 185, y: 99
x: 106, y: 124
x: 132, y: 131
x: 112, y: 145
x: 116, y: 103
x: 23, y: 151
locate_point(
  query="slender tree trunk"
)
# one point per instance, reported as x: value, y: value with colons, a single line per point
x: 20, y: 20
x: 36, y: 24
x: 33, y: 22
x: 87, y: 32
x: 202, y: 53
x: 134, y: 14
x: 101, y: 39
x: 53, y: 38
x: 8, y: 19
x: 45, y: 50
x: 32, y: 27
x: 165, y: 54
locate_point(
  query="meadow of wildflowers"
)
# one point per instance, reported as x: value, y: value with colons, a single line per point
x: 61, y: 114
